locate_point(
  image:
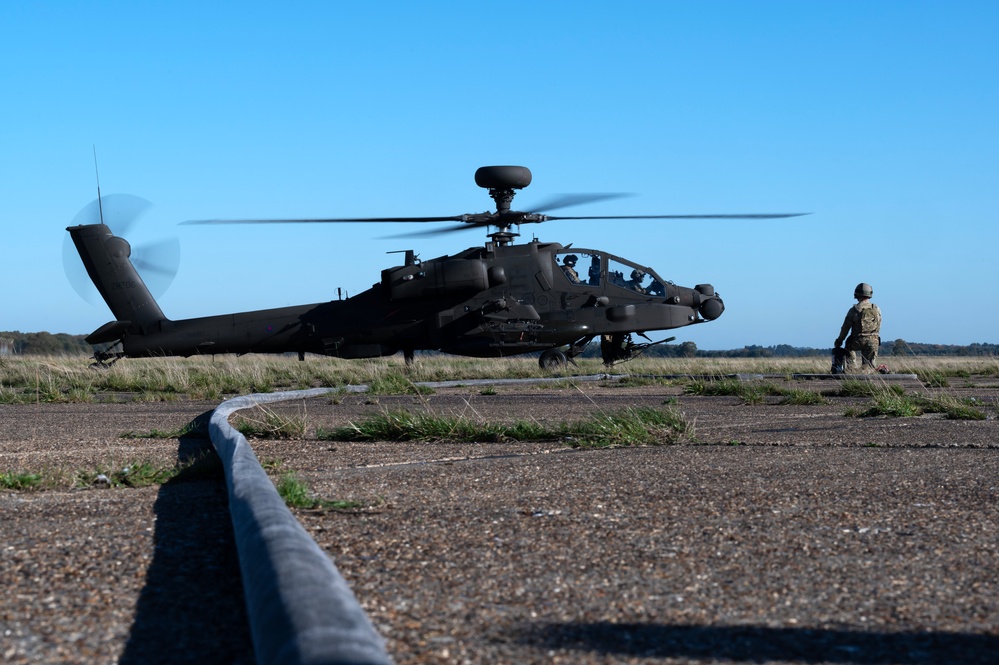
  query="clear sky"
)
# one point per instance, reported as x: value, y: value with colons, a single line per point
x: 880, y: 118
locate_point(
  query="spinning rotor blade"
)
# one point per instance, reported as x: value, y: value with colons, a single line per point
x: 745, y: 216
x: 469, y: 221
x: 161, y: 258
x: 531, y: 218
x: 338, y: 220
x: 569, y: 200
x: 501, y: 182
x: 157, y: 261
x: 430, y: 233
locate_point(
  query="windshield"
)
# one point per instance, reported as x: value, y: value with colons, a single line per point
x: 592, y: 268
x: 634, y: 278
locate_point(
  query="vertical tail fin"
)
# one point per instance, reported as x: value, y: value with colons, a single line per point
x: 106, y: 258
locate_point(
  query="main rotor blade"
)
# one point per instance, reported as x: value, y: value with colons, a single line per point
x: 456, y: 218
x: 430, y: 233
x: 569, y: 200
x: 743, y: 216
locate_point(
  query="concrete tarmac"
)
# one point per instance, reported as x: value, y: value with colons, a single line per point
x: 789, y: 534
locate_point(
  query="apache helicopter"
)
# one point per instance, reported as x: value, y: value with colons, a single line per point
x: 500, y: 299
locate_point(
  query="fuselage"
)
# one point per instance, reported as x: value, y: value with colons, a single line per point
x: 495, y: 300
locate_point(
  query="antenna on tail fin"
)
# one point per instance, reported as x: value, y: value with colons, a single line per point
x: 97, y: 174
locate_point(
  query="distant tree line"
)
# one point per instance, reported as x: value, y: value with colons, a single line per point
x: 47, y: 344
x: 898, y: 347
x: 902, y: 348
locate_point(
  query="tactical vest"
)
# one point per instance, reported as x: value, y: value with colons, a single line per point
x: 870, y: 318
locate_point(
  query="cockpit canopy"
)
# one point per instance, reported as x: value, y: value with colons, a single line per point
x: 595, y: 268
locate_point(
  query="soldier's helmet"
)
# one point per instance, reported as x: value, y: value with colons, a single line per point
x: 570, y: 260
x: 637, y: 274
x: 863, y: 290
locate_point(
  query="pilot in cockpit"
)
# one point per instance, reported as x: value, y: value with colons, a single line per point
x: 635, y: 283
x: 569, y: 268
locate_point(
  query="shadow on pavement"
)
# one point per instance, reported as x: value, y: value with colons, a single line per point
x: 758, y: 644
x: 191, y: 609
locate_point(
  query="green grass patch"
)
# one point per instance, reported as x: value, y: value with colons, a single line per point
x: 635, y: 426
x: 801, y: 397
x: 933, y: 378
x: 268, y: 424
x: 296, y: 494
x: 854, y: 388
x: 895, y: 405
x: 752, y: 392
x: 641, y: 426
x: 146, y: 473
x: 748, y: 393
x: 19, y: 480
x: 953, y: 408
x: 409, y: 426
x: 392, y: 383
x: 295, y: 491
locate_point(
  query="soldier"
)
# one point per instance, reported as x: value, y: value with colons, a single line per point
x: 863, y: 325
x: 615, y: 347
x: 635, y: 283
x: 569, y: 268
x: 594, y: 272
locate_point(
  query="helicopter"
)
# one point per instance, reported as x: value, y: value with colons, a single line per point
x: 495, y: 300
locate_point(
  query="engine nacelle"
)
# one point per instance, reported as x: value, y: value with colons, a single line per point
x: 439, y: 278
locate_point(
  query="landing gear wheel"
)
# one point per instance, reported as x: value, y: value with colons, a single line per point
x: 553, y: 360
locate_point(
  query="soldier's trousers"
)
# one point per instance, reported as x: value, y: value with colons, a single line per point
x: 867, y: 345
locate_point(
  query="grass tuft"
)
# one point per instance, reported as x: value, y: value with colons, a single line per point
x: 637, y: 426
x: 643, y: 426
x: 294, y: 491
x: 18, y: 480
x: 269, y: 424
x: 144, y: 473
x: 296, y: 494
x: 897, y: 404
x: 753, y: 393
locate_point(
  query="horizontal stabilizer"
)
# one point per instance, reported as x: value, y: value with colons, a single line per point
x: 111, y: 331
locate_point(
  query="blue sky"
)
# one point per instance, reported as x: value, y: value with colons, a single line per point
x: 879, y: 118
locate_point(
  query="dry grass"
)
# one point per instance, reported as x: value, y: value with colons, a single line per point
x: 70, y: 379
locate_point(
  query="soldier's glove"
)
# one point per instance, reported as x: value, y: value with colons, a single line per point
x: 837, y: 344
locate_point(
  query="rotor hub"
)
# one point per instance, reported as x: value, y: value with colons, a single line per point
x: 502, y: 183
x: 503, y: 177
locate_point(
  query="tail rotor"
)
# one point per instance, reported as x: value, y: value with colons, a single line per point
x: 156, y: 259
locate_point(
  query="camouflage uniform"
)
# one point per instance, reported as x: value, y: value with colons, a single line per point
x: 569, y: 268
x: 863, y: 324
